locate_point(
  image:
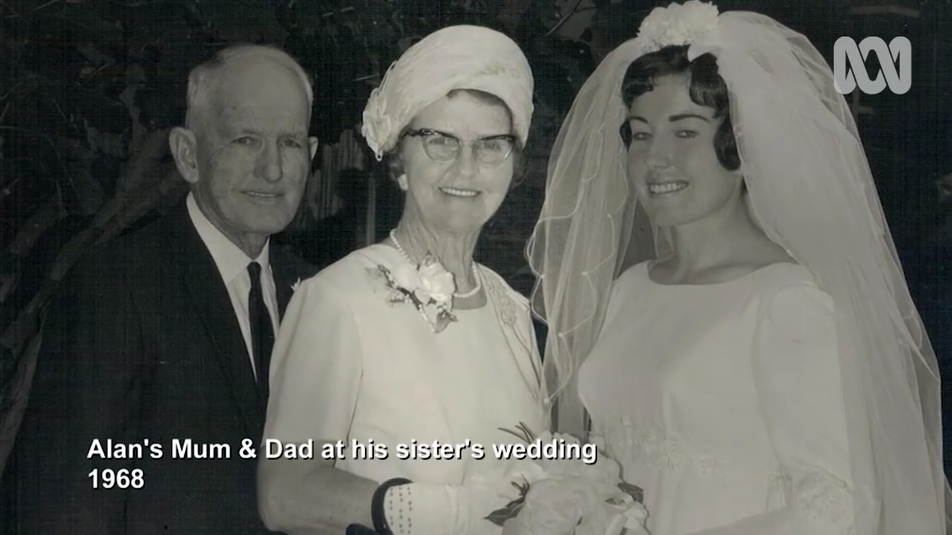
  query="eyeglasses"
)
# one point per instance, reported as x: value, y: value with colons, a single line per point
x: 445, y: 148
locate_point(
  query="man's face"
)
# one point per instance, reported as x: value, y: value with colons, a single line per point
x: 252, y: 151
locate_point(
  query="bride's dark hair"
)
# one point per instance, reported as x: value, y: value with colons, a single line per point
x: 707, y: 89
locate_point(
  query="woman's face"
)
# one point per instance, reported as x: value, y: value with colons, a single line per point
x: 460, y: 195
x: 671, y: 159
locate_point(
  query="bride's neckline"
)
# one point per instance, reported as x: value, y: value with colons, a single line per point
x: 646, y: 267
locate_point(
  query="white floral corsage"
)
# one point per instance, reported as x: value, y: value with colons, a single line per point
x: 428, y: 285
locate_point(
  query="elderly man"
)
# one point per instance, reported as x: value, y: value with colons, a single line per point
x: 152, y: 381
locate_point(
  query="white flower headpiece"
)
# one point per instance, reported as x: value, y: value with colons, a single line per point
x: 690, y: 23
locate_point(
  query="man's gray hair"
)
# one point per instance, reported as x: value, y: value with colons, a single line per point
x: 201, y: 80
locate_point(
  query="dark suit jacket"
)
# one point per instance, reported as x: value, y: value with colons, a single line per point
x: 144, y: 345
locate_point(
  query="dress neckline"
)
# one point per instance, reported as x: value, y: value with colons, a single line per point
x: 743, y: 278
x: 396, y: 256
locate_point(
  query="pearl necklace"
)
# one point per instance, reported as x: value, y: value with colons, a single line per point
x: 474, y: 291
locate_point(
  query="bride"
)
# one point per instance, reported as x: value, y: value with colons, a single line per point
x: 724, y: 299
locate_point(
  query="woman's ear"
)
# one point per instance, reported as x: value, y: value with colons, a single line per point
x: 184, y: 145
x: 395, y: 168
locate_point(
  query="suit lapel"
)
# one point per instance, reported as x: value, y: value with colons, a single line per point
x: 210, y: 298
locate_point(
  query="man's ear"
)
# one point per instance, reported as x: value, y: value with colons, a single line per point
x: 312, y: 141
x: 184, y: 147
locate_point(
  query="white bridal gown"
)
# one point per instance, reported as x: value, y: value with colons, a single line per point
x: 723, y: 402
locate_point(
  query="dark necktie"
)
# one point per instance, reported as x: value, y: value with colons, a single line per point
x: 262, y: 330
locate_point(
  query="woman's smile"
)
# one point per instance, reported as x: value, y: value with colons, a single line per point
x: 667, y: 189
x: 459, y: 192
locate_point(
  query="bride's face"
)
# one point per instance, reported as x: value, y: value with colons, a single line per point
x: 671, y: 158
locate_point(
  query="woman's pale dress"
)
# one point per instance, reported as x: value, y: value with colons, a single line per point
x: 349, y: 366
x: 723, y: 401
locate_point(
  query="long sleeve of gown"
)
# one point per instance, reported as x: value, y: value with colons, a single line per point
x: 315, y: 368
x: 797, y: 373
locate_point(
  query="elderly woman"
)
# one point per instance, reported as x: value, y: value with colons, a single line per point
x: 409, y: 343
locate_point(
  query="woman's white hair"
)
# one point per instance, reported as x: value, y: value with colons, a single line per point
x: 202, y: 80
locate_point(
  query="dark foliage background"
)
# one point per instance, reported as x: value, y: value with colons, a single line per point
x: 89, y: 89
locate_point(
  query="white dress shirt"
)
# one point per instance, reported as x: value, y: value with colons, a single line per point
x: 233, y: 264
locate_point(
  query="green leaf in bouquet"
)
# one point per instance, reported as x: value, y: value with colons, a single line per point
x: 381, y: 273
x: 511, y: 510
x: 443, y: 319
x: 396, y: 297
x: 375, y: 274
x: 634, y: 491
x: 522, y: 432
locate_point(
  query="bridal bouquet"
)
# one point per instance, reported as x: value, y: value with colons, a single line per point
x: 564, y: 495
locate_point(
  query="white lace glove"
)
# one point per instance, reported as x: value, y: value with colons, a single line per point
x: 424, y: 509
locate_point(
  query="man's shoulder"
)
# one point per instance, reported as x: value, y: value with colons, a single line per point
x: 148, y: 240
x: 135, y: 254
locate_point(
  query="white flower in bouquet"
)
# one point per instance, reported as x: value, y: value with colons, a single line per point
x: 564, y: 495
x: 609, y: 519
x: 575, y: 506
x: 555, y: 505
x: 604, y: 469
